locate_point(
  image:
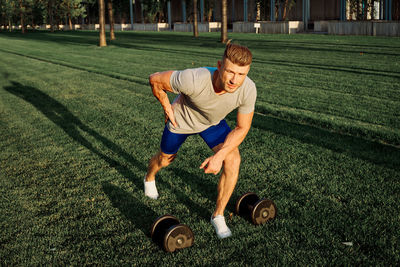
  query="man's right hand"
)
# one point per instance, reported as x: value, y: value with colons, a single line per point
x: 169, y: 115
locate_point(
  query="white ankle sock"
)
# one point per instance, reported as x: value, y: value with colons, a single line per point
x: 220, y: 226
x: 150, y: 189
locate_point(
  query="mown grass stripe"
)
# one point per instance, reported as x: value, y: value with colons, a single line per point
x: 342, y: 125
x: 333, y: 68
x: 92, y: 70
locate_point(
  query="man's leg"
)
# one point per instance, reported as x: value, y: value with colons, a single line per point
x: 215, y: 137
x: 157, y: 162
x: 227, y: 181
x: 226, y: 185
x: 170, y: 144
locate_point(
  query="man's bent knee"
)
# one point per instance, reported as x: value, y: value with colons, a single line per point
x: 166, y: 159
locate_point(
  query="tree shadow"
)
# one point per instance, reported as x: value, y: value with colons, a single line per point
x: 331, y: 41
x: 74, y: 128
x: 78, y: 37
x: 131, y: 78
x: 350, y: 69
x: 295, y: 45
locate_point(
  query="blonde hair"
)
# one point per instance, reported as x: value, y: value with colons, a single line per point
x: 237, y: 54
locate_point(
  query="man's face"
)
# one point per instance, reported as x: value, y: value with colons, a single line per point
x: 231, y: 75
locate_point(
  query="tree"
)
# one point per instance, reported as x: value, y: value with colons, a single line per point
x: 16, y: 10
x: 22, y: 10
x: 224, y: 24
x: 396, y: 10
x: 8, y: 8
x: 50, y: 13
x: 102, y: 24
x: 68, y: 4
x: 195, y: 26
x: 153, y: 10
x: 287, y: 6
x: 71, y: 9
x: 33, y: 12
x: 111, y: 19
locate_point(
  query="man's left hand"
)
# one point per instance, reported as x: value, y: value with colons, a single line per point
x: 212, y: 165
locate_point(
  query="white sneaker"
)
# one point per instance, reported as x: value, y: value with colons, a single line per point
x: 220, y: 226
x: 150, y: 189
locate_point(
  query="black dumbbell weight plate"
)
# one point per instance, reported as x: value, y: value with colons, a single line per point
x: 160, y: 226
x: 245, y: 202
x: 178, y: 237
x: 263, y: 211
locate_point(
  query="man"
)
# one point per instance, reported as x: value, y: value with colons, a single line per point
x: 206, y: 96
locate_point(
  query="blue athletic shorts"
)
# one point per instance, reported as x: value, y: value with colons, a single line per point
x: 213, y: 136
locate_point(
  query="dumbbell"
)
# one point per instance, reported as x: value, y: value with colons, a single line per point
x: 170, y: 234
x: 258, y: 210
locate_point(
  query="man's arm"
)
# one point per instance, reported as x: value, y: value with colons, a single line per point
x: 160, y: 85
x: 213, y: 164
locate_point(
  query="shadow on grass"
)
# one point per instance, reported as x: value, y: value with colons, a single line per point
x: 72, y: 126
x: 132, y: 208
x: 131, y: 78
x: 206, y: 188
x: 350, y: 69
x: 356, y: 147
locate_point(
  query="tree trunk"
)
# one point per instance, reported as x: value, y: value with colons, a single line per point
x: 195, y: 26
x: 137, y: 9
x: 51, y: 16
x: 82, y: 23
x: 396, y: 10
x: 58, y: 20
x: 69, y: 17
x: 102, y: 24
x: 70, y: 22
x: 111, y: 19
x: 88, y: 15
x: 22, y: 16
x: 83, y: 20
x: 285, y: 9
x: 209, y: 15
x: 224, y: 24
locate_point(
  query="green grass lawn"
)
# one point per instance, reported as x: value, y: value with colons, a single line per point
x: 78, y: 124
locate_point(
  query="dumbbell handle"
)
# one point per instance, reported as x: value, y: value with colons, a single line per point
x: 251, y: 206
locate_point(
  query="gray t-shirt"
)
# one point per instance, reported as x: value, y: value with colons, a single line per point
x: 198, y: 106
